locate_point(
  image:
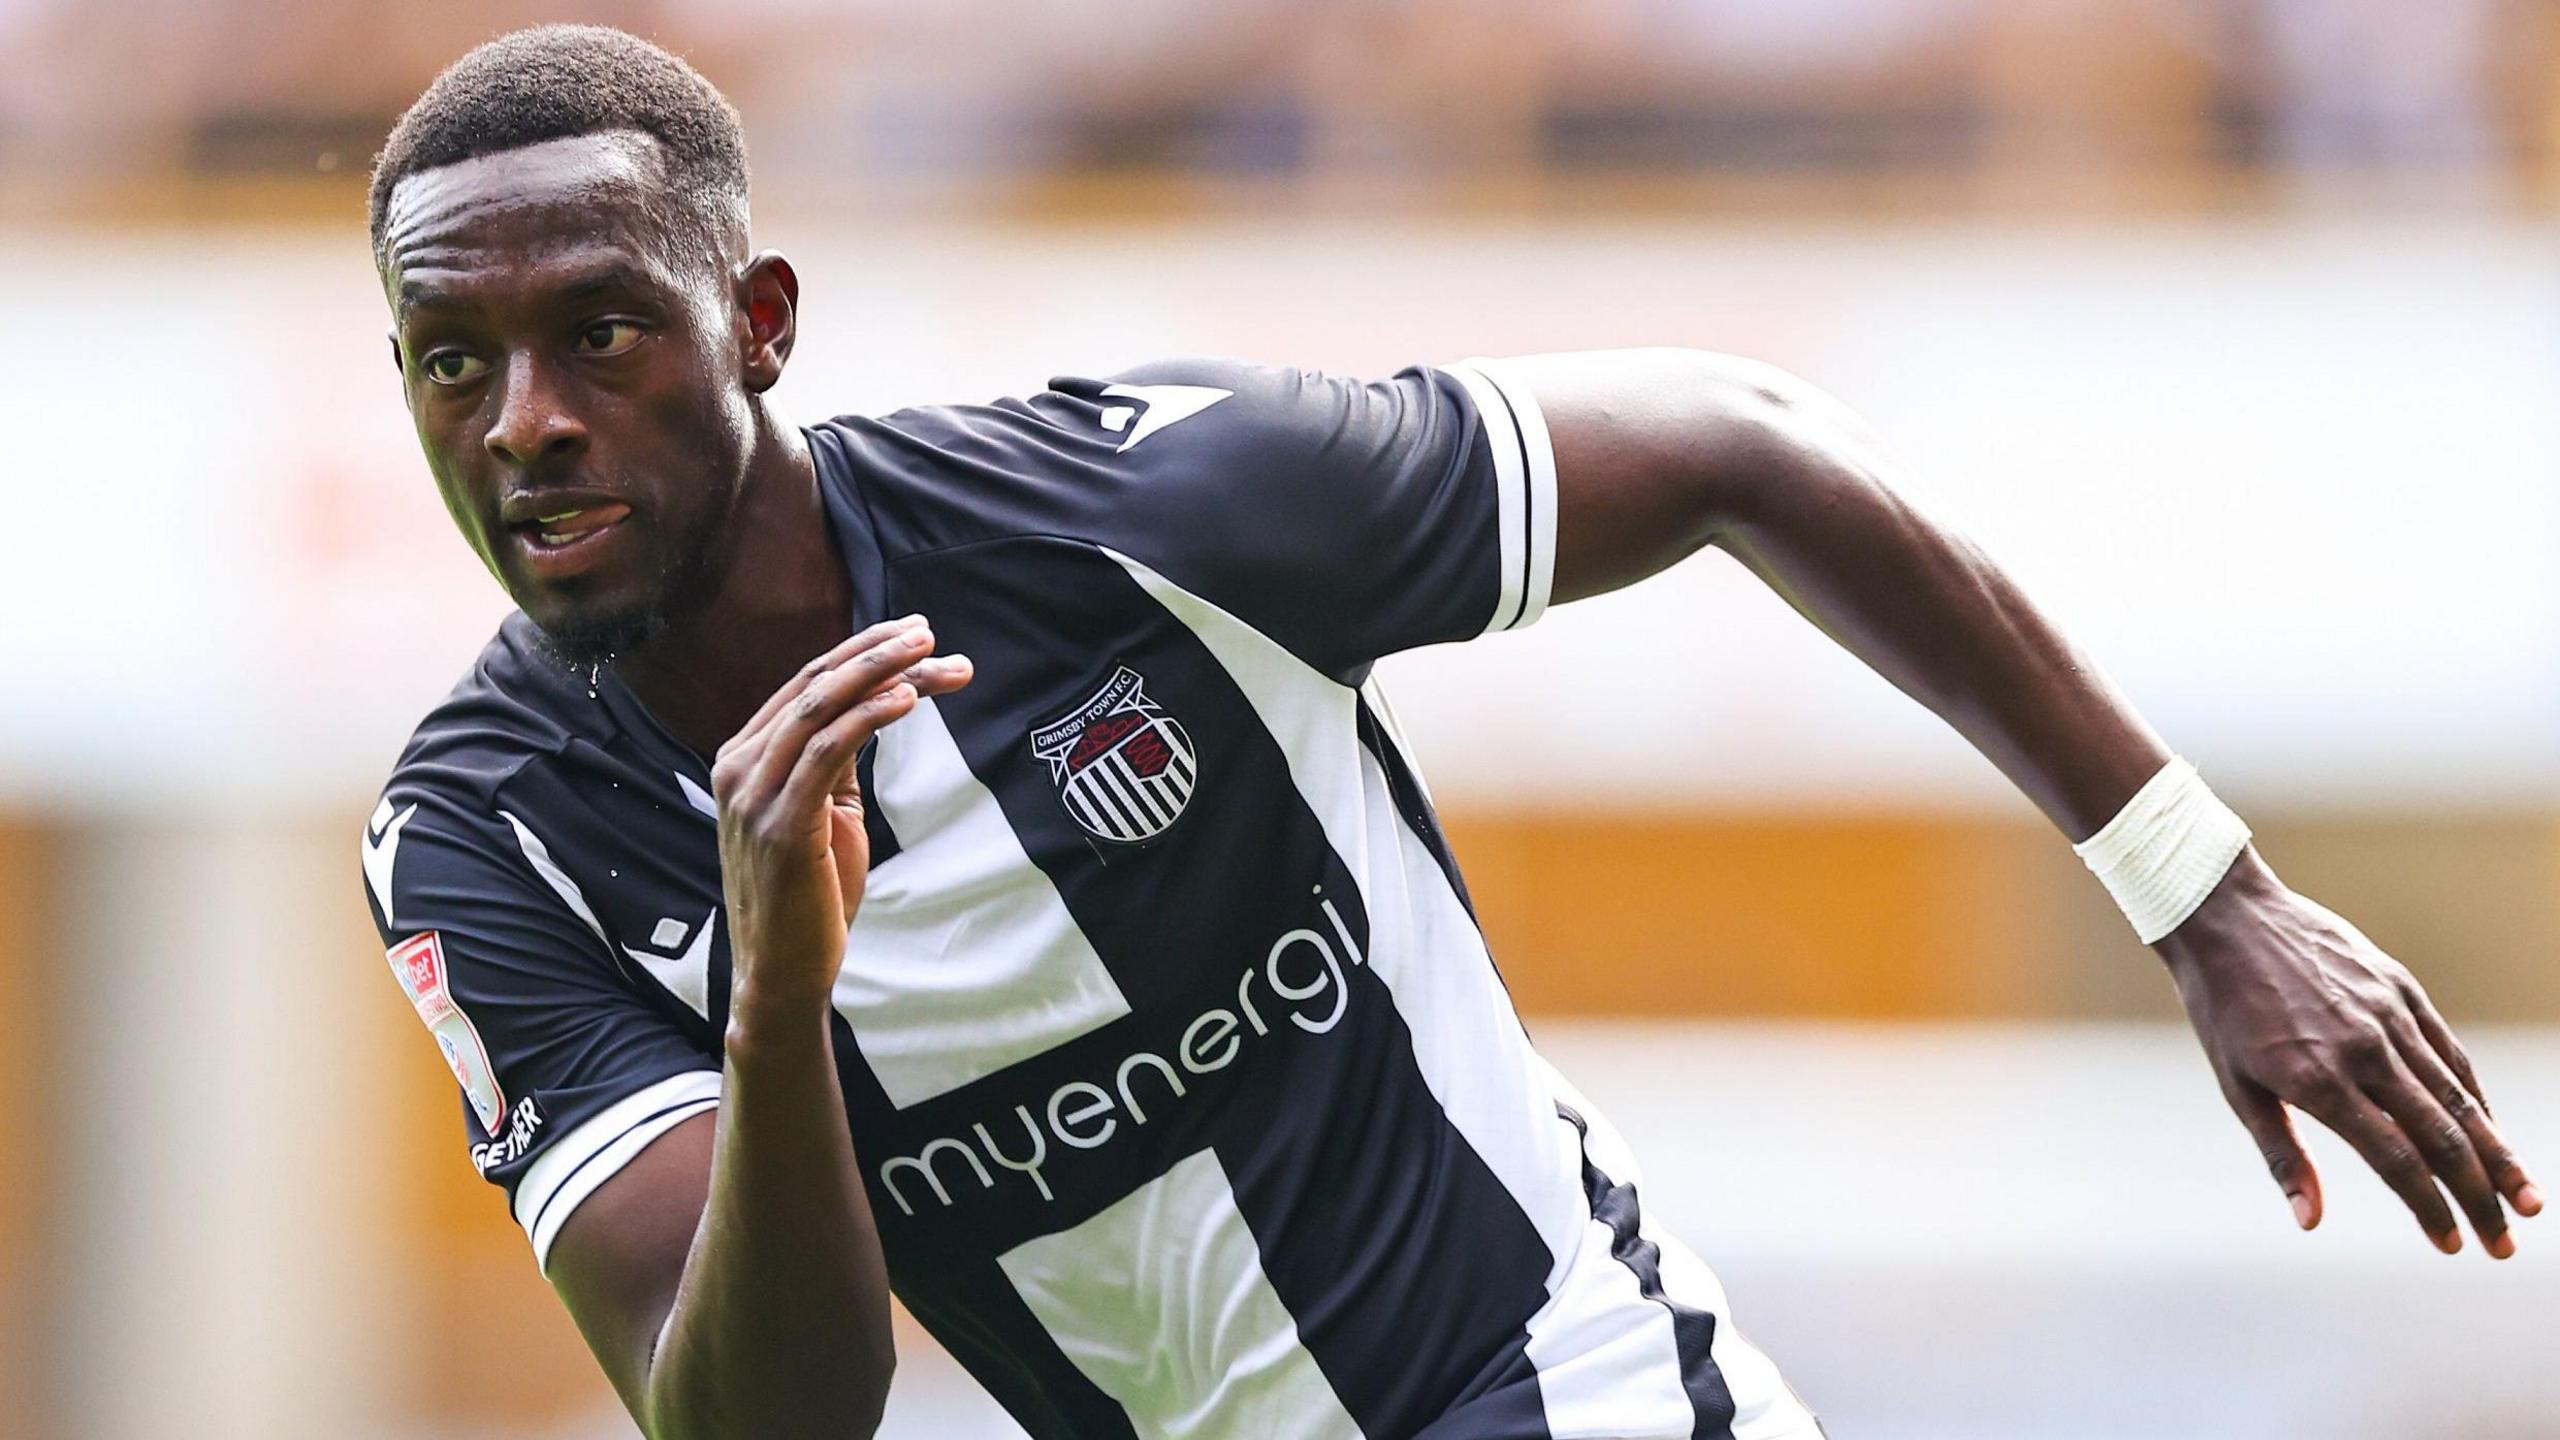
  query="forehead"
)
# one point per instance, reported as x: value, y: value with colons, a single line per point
x: 583, y: 205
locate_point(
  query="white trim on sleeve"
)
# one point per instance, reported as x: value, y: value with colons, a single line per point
x: 570, y: 1168
x: 1524, y: 473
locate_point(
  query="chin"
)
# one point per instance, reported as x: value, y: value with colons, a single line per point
x: 586, y: 636
x: 597, y: 618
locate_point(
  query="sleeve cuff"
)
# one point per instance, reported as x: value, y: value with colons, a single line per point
x: 571, y: 1167
x: 1524, y: 472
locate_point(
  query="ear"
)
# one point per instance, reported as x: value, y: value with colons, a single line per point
x: 769, y: 295
x: 401, y: 369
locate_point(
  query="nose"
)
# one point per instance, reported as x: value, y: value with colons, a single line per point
x: 534, y: 427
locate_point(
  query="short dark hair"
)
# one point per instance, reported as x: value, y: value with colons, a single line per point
x: 551, y: 82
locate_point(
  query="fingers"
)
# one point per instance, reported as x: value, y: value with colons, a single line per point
x: 827, y: 758
x: 2432, y: 1108
x: 2505, y: 1170
x: 2439, y: 1037
x: 843, y: 650
x: 2263, y: 1115
x: 2459, y: 1097
x: 760, y: 759
x: 2391, y: 1153
x: 827, y: 696
x: 933, y: 675
x: 941, y: 674
x: 2512, y: 1179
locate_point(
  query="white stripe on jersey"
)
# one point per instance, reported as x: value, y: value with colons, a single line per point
x: 687, y: 976
x: 538, y: 855
x: 1607, y: 1361
x: 1542, y: 485
x: 1524, y: 475
x: 1162, y: 1301
x: 1616, y: 1368
x: 962, y: 960
x: 573, y: 1165
x: 1422, y: 943
x: 697, y: 797
x: 1765, y: 1407
x: 1376, y: 695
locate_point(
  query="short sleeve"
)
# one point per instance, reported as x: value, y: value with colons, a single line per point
x: 1346, y: 519
x: 566, y: 1069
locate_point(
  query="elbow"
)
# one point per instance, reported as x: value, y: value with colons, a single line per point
x: 1751, y: 440
x: 1773, y: 448
x: 1669, y: 450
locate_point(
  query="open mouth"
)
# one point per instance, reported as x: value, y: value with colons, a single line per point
x: 567, y: 538
x: 567, y: 526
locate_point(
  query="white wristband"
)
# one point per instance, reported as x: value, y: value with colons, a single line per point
x: 2165, y: 850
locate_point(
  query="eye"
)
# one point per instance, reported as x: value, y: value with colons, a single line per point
x: 610, y: 337
x: 453, y: 367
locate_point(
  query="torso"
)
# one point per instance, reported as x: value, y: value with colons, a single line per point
x: 1180, y: 1078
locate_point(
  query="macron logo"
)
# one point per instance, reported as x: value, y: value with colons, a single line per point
x: 382, y: 851
x: 685, y: 975
x: 1166, y: 405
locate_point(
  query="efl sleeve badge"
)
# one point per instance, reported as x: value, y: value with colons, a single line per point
x: 418, y: 963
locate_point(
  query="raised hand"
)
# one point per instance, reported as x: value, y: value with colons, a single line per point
x: 2296, y: 1007
x: 793, y: 853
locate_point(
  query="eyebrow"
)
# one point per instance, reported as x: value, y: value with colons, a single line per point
x: 416, y: 295
x: 618, y: 275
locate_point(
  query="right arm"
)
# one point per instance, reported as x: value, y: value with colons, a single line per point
x: 729, y: 1279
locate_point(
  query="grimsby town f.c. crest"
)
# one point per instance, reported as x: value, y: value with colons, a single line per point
x: 1124, y: 767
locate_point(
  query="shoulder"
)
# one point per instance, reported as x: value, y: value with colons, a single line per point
x: 1079, y: 417
x: 492, y: 743
x: 514, y: 705
x: 1089, y: 454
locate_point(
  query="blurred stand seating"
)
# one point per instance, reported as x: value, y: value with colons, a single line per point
x: 1963, y: 104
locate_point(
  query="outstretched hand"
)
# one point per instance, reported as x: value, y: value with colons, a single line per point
x: 793, y: 853
x: 2295, y: 1007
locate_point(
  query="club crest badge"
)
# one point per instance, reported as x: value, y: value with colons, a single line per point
x: 1124, y: 767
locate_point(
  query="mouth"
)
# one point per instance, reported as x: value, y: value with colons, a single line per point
x: 563, y: 537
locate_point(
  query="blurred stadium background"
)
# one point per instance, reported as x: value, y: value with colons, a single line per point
x: 2234, y: 325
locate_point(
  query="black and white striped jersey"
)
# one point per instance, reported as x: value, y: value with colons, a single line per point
x: 1186, y: 1094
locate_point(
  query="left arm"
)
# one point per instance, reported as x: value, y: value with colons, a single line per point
x: 1659, y: 453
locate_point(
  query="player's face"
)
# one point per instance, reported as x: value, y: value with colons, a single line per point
x: 575, y: 375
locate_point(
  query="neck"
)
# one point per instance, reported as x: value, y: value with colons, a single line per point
x: 782, y: 599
